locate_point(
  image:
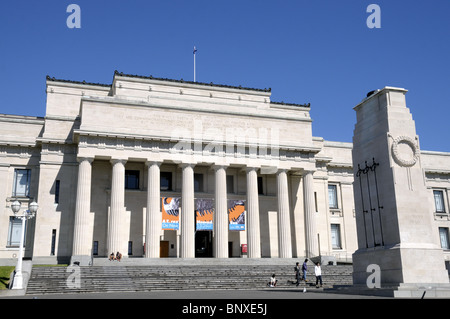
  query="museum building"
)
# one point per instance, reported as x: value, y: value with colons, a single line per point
x: 154, y: 168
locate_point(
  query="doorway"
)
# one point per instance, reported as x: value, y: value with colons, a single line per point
x: 203, y: 244
x: 164, y: 249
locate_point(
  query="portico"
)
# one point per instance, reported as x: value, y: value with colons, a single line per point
x: 118, y: 224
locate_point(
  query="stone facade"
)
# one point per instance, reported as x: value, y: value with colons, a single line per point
x: 205, y: 141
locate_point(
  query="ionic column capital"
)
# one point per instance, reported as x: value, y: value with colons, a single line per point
x: 216, y: 167
x: 114, y: 161
x: 85, y: 158
x: 153, y: 162
x: 184, y: 165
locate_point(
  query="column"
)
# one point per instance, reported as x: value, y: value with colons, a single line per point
x: 187, y: 249
x: 284, y: 224
x: 153, y: 216
x: 253, y: 231
x: 115, y: 243
x: 82, y: 244
x: 310, y: 218
x: 221, y: 213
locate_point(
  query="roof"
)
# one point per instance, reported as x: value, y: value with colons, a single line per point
x: 117, y: 73
x: 191, y: 82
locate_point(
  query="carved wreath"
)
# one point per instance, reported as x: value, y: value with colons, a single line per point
x: 396, y: 154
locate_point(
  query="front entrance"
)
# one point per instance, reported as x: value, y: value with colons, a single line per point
x: 203, y: 244
x: 164, y: 249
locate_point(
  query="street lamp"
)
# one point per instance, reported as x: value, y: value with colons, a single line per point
x: 27, y: 214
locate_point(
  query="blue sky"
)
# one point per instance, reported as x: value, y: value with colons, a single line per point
x: 319, y: 52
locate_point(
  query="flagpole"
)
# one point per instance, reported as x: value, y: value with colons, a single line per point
x: 195, y: 50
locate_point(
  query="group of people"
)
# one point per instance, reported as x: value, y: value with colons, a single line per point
x: 300, y: 274
x: 117, y: 256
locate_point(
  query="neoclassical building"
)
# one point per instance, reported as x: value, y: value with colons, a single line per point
x: 153, y: 167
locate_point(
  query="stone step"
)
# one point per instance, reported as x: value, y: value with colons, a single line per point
x: 126, y: 277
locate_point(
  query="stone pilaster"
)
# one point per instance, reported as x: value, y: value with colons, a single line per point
x: 253, y: 230
x: 187, y: 249
x: 310, y: 218
x: 221, y: 213
x: 153, y: 213
x: 284, y: 225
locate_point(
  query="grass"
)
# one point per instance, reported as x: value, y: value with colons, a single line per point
x: 5, y: 272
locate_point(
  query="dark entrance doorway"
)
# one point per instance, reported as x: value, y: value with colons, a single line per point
x: 203, y: 244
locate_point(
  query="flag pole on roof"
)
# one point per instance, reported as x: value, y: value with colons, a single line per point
x: 195, y: 50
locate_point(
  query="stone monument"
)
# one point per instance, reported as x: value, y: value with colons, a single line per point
x: 395, y: 229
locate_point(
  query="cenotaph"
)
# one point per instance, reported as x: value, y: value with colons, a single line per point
x: 396, y: 236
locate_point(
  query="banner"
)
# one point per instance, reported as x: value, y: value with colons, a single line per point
x: 236, y: 214
x: 170, y: 213
x: 204, y: 214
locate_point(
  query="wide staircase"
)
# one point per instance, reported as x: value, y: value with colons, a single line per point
x: 175, y: 274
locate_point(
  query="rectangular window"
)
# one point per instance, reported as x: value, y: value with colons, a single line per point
x: 336, y: 236
x: 332, y: 196
x: 260, y: 186
x: 166, y: 181
x: 131, y: 179
x: 443, y: 235
x: 57, y: 184
x: 95, y: 248
x: 53, y: 246
x: 21, y: 186
x: 198, y: 182
x: 439, y: 201
x: 130, y: 248
x: 315, y: 202
x: 15, y: 228
x: 230, y: 184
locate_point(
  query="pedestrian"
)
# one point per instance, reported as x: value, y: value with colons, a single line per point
x: 304, y: 269
x: 297, y: 273
x: 318, y: 273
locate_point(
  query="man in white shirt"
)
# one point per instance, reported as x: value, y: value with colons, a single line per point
x: 318, y: 273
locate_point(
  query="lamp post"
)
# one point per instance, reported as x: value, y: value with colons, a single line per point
x: 27, y: 214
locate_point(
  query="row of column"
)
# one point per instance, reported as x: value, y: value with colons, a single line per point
x: 81, y: 246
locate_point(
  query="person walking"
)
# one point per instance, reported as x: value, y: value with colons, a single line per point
x: 304, y: 269
x: 298, y: 275
x: 318, y: 273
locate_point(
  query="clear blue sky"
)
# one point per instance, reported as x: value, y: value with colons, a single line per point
x: 319, y: 52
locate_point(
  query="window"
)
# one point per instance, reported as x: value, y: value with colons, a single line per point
x: 439, y: 201
x: 443, y: 235
x: 15, y: 228
x: 315, y: 202
x: 198, y: 182
x: 166, y: 181
x: 230, y: 184
x: 21, y: 183
x: 130, y: 248
x: 53, y: 246
x: 336, y: 236
x: 95, y: 248
x: 57, y: 184
x: 131, y: 179
x: 332, y: 196
x: 260, y: 186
